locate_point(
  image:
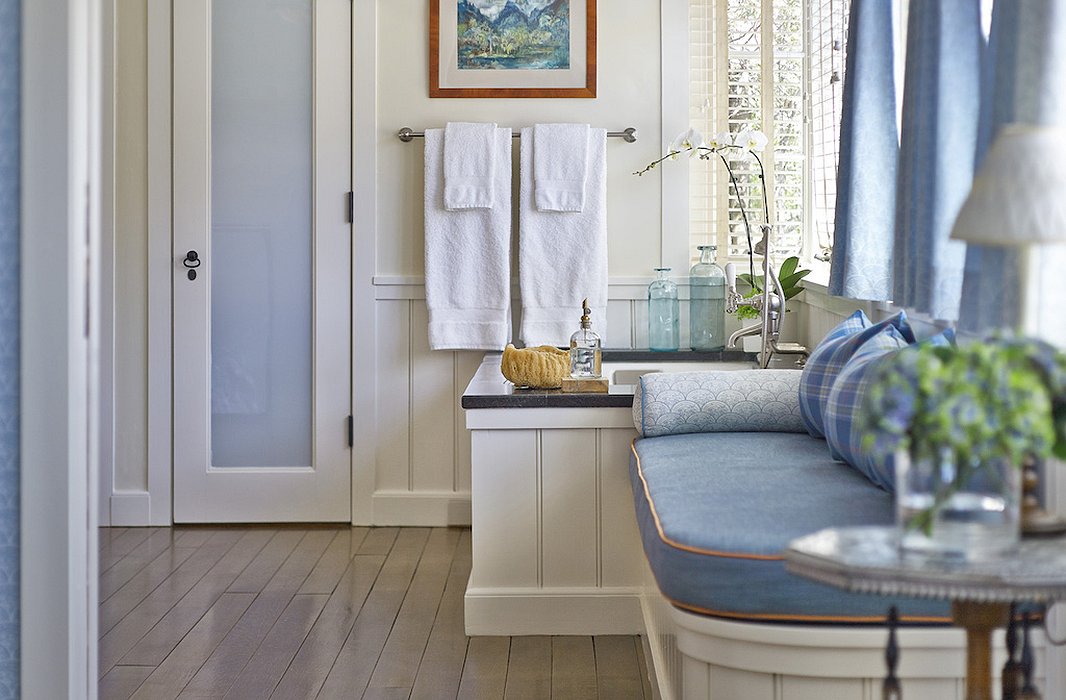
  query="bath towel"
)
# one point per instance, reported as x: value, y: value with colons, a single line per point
x: 469, y: 165
x: 562, y: 256
x: 560, y: 166
x: 468, y: 257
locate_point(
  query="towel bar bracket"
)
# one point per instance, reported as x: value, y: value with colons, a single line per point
x: 629, y: 134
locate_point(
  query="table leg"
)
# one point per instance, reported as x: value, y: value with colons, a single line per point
x: 979, y: 620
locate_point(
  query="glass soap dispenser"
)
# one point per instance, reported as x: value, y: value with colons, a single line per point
x: 707, y: 307
x: 585, y: 350
x: 663, y: 312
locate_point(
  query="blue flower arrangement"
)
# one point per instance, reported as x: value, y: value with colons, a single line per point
x: 977, y: 406
x: 1003, y: 399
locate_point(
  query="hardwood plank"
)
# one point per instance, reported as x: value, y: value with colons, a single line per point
x: 379, y: 540
x: 196, y: 536
x: 153, y: 648
x: 262, y: 673
x: 121, y: 638
x: 133, y: 563
x: 617, y: 667
x: 398, y: 663
x: 387, y: 694
x: 485, y: 671
x: 221, y: 669
x: 645, y: 672
x: 334, y: 562
x: 168, y: 680
x: 441, y: 668
x: 105, y: 536
x: 123, y: 544
x: 126, y: 598
x: 256, y: 576
x: 120, y: 682
x: 353, y: 666
x: 314, y: 660
x: 573, y: 668
x: 529, y: 671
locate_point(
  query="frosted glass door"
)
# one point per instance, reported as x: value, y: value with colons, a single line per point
x: 261, y: 220
x: 262, y: 162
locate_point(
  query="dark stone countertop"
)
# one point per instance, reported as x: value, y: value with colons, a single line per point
x: 488, y: 388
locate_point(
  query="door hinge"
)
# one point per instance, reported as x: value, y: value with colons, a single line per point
x: 351, y: 431
x: 351, y: 207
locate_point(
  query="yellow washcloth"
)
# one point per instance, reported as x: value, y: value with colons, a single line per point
x: 537, y: 368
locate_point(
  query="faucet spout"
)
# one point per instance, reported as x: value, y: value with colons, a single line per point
x: 754, y: 329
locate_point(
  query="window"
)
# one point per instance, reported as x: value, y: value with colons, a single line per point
x: 776, y: 65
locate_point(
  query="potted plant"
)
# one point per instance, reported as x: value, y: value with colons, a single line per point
x: 960, y: 421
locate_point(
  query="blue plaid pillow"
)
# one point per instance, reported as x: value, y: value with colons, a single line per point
x: 829, y: 358
x: 846, y: 399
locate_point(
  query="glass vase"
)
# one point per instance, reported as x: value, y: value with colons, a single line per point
x: 707, y: 306
x: 951, y: 511
x: 664, y: 330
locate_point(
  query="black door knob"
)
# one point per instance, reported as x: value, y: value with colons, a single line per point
x: 191, y: 261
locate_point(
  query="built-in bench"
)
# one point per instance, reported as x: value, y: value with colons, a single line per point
x: 716, y: 511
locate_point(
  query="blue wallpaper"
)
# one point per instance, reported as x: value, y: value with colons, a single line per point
x: 10, y: 20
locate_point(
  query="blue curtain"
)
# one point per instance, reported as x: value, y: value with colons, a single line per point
x: 866, y: 174
x: 1024, y: 81
x: 941, y: 98
x: 10, y: 20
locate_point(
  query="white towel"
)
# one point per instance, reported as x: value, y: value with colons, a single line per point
x: 560, y: 166
x: 468, y: 257
x: 469, y: 165
x: 562, y: 257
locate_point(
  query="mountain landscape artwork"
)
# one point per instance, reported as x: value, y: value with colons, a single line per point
x: 513, y: 34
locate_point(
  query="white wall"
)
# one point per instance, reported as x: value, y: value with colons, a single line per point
x: 416, y: 457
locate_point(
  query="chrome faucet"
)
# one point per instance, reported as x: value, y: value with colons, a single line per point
x: 770, y: 305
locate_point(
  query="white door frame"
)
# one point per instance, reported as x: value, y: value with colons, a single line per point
x: 59, y: 307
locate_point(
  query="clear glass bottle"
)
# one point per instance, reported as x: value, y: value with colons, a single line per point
x: 706, y: 320
x: 585, y: 350
x: 663, y: 313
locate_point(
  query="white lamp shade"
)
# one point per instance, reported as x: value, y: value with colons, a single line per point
x: 1019, y: 194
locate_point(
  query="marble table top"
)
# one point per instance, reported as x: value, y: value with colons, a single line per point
x: 868, y: 560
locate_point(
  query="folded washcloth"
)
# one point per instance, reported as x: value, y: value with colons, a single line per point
x: 468, y: 257
x: 560, y: 166
x: 469, y: 165
x: 562, y: 258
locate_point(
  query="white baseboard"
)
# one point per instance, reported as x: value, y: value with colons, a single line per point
x: 525, y: 611
x: 421, y: 508
x: 131, y: 509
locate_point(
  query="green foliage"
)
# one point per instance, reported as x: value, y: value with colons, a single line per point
x: 789, y: 275
x: 1003, y: 399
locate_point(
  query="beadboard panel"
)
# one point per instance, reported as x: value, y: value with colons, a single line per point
x: 422, y: 453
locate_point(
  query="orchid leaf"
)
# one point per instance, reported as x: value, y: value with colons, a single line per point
x: 788, y: 267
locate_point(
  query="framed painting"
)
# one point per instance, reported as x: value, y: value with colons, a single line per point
x: 512, y: 48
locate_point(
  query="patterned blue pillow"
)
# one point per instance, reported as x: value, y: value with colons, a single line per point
x: 717, y: 401
x: 829, y: 358
x: 846, y: 399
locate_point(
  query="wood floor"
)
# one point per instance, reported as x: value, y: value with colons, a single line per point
x: 325, y: 613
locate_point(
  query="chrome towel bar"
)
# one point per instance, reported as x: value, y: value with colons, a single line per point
x: 629, y: 135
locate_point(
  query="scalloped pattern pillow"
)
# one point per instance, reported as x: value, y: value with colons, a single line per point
x: 829, y: 357
x: 717, y: 401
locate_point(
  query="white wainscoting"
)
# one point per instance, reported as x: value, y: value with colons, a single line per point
x: 422, y: 453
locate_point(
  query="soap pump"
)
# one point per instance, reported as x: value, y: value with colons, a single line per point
x: 585, y: 348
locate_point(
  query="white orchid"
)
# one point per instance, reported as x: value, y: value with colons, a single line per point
x: 751, y: 140
x: 690, y: 140
x: 722, y: 139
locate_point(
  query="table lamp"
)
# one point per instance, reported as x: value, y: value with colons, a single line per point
x: 1018, y: 200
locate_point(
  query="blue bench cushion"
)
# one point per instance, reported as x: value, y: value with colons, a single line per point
x: 716, y: 511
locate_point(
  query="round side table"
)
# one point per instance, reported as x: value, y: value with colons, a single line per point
x: 868, y: 560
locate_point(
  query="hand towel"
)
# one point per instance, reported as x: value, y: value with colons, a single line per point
x: 469, y: 165
x: 468, y: 257
x: 560, y: 166
x: 562, y: 257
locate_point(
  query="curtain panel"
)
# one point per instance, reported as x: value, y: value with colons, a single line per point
x: 869, y: 151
